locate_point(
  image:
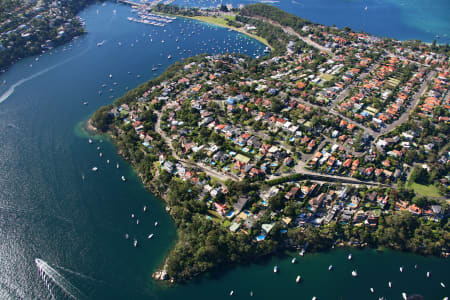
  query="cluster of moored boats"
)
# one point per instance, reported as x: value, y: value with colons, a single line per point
x: 354, y: 273
x: 149, y: 18
x: 133, y: 216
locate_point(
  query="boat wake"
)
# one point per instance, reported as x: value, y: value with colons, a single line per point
x: 56, y: 283
x: 13, y: 87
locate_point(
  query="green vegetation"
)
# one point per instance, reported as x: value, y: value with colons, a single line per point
x: 425, y: 190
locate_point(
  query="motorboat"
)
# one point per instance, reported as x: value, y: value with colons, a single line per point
x: 275, y: 269
x: 145, y: 208
x: 90, y: 141
x: 135, y: 242
x: 293, y: 260
x: 354, y: 273
x: 156, y: 223
x: 372, y: 290
x: 390, y: 284
x: 349, y: 257
x: 330, y: 267
x: 401, y: 269
x: 123, y: 178
x: 428, y: 274
x: 150, y: 236
x: 297, y: 280
x: 94, y: 169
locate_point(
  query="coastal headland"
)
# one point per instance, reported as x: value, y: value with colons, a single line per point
x: 313, y: 146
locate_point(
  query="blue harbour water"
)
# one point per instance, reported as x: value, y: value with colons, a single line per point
x: 53, y: 207
x: 425, y: 20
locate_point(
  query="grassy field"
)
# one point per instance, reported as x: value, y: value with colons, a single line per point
x: 424, y: 190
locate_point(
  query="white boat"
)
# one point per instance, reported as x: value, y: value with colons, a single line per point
x: 100, y: 43
x: 94, y: 169
x: 137, y: 221
x: 251, y: 293
x: 372, y: 290
x: 390, y: 284
x: 169, y: 57
x: 428, y: 274
x: 100, y: 154
x: 293, y: 260
x: 126, y: 236
x: 156, y: 223
x: 123, y: 178
x: 442, y: 284
x: 349, y: 256
x: 275, y: 269
x: 354, y: 273
x: 90, y: 141
x: 135, y: 242
x: 150, y: 236
x: 110, y: 75
x: 145, y: 208
x: 401, y: 269
x: 298, y: 279
x: 98, y: 147
x: 302, y: 252
x: 132, y: 216
x: 117, y: 165
x: 231, y: 293
x: 314, y: 298
x: 107, y: 161
x: 330, y: 267
x: 405, y: 297
x: 85, y: 103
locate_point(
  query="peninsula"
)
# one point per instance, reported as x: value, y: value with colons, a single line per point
x: 334, y: 138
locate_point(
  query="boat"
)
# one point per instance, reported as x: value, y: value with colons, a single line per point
x: 330, y: 267
x: 132, y: 216
x: 442, y: 284
x: 404, y: 296
x: 302, y: 252
x: 85, y: 103
x: 100, y: 154
x: 298, y: 279
x: 126, y: 236
x: 107, y: 161
x: 145, y: 208
x: 123, y: 178
x: 150, y: 236
x: 251, y: 293
x: 428, y: 274
x: 314, y: 298
x: 275, y: 269
x: 117, y: 165
x: 137, y: 221
x: 100, y: 43
x: 94, y: 169
x: 372, y: 290
x: 293, y: 260
x: 156, y: 223
x: 231, y: 293
x: 349, y: 256
x: 366, y: 8
x: 169, y: 57
x: 90, y: 141
x: 354, y: 273
x: 110, y: 75
x: 390, y: 284
x: 82, y: 177
x: 154, y: 69
x: 135, y: 242
x: 401, y: 269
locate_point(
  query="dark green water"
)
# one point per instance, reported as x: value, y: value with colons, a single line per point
x: 77, y: 226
